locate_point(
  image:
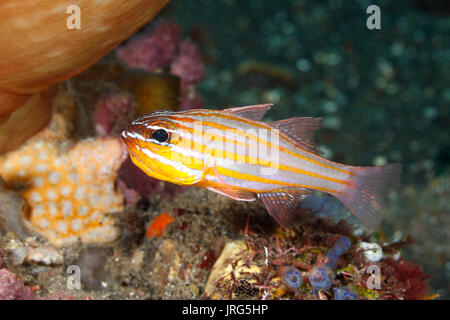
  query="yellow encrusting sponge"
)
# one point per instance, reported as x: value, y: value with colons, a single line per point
x: 68, y: 192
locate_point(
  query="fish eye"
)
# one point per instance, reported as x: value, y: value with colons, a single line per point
x: 161, y: 135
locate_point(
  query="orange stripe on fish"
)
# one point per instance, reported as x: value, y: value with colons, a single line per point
x: 257, y: 139
x: 171, y: 146
x: 245, y: 176
x: 234, y: 156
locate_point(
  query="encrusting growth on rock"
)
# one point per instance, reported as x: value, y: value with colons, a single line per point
x: 68, y: 191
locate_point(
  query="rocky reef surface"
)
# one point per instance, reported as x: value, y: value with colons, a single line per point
x: 79, y: 221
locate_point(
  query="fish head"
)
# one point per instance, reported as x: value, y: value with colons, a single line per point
x: 160, y: 147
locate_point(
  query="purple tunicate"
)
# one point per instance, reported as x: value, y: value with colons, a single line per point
x: 321, y: 278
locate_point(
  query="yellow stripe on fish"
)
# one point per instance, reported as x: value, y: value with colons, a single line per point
x: 234, y: 153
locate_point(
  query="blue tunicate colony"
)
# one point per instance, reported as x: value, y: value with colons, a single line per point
x: 340, y: 247
x: 291, y: 277
x: 344, y: 294
x: 321, y: 277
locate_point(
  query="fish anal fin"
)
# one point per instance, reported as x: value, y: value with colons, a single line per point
x: 301, y: 130
x: 282, y: 204
x: 255, y: 112
x: 235, y: 194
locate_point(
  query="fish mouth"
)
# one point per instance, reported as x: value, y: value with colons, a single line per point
x: 129, y: 142
x: 126, y: 139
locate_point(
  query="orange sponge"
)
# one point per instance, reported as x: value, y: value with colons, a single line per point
x: 69, y: 192
x: 158, y: 225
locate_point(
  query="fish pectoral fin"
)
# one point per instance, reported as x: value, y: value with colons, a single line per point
x: 282, y: 203
x: 255, y: 112
x: 302, y: 130
x: 241, y: 195
x: 225, y: 189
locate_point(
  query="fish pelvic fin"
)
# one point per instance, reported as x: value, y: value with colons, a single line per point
x: 235, y: 194
x: 227, y: 190
x: 255, y: 112
x: 366, y: 191
x: 282, y: 204
x: 302, y: 130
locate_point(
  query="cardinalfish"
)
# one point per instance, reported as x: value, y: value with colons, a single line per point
x: 234, y: 153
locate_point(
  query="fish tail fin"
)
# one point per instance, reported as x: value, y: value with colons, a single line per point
x: 367, y: 188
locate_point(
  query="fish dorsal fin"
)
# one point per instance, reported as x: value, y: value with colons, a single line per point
x: 255, y: 112
x: 282, y: 203
x: 235, y: 194
x: 302, y: 130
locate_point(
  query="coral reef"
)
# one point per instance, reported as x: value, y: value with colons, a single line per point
x: 217, y: 248
x: 195, y: 244
x: 264, y: 260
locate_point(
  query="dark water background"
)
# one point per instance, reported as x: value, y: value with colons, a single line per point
x: 384, y: 94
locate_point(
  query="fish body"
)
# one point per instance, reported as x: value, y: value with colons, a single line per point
x: 234, y: 153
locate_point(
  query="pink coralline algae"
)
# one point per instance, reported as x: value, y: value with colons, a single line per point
x: 154, y: 49
x: 161, y: 47
x: 111, y: 106
x: 188, y: 65
x: 13, y: 288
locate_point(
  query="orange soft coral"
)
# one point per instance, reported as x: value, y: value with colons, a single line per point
x: 158, y: 225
